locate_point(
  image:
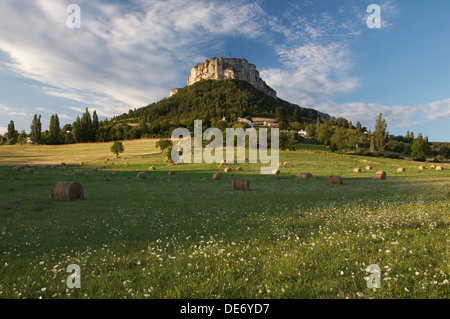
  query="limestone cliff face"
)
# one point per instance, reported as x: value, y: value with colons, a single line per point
x: 229, y: 68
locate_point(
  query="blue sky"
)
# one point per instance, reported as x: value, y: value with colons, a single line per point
x: 317, y: 54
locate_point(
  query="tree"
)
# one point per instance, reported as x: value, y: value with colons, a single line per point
x: 54, y: 131
x: 297, y: 116
x: 419, y: 148
x: 380, y: 135
x: 117, y: 148
x: 12, y: 134
x: 36, y: 128
x: 163, y: 144
x: 280, y: 115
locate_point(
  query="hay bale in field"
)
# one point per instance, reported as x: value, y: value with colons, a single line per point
x: 401, y: 170
x: 227, y: 170
x: 238, y: 168
x: 141, y: 175
x: 335, y: 180
x: 218, y: 176
x: 241, y: 184
x: 79, y: 172
x: 68, y: 191
x: 439, y: 168
x: 380, y: 176
x: 368, y: 168
x: 303, y: 175
x: 357, y: 170
x: 82, y: 163
x: 112, y: 173
x: 276, y: 172
x: 94, y: 169
x: 280, y: 165
x: 28, y: 170
x: 246, y: 159
x: 223, y: 162
x: 17, y: 168
x: 171, y: 173
x: 432, y: 166
x: 63, y: 164
x: 152, y: 168
x: 286, y: 163
x: 421, y: 167
x: 220, y: 166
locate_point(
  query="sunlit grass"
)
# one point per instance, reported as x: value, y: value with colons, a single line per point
x: 188, y: 236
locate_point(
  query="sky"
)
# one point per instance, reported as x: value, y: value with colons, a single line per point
x: 318, y: 54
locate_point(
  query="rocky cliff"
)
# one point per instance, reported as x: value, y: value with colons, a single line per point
x: 229, y: 68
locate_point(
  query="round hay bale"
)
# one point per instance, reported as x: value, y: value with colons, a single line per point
x: 16, y: 168
x: 227, y: 170
x: 127, y: 163
x: 28, y: 170
x: 141, y: 175
x: 152, y: 168
x: 220, y: 166
x: 107, y: 159
x: 246, y: 159
x: 68, y: 191
x: 94, y: 169
x: 357, y: 170
x: 303, y: 175
x: 112, y: 173
x: 82, y: 163
x: 368, y: 168
x: 335, y: 180
x: 241, y: 184
x: 380, y: 176
x: 276, y: 172
x: 63, y: 164
x: 421, y: 167
x: 286, y: 163
x: 432, y: 166
x: 439, y: 168
x: 280, y: 165
x: 79, y: 172
x: 238, y: 168
x: 171, y: 173
x: 401, y: 170
x: 223, y: 162
x: 218, y: 176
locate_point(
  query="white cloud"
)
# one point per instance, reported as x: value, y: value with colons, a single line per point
x: 3, y: 130
x: 437, y: 110
x: 312, y: 74
x: 122, y: 57
x: 9, y: 111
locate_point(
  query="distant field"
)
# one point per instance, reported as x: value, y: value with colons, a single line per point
x: 188, y: 236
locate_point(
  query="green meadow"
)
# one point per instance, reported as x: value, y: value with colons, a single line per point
x: 189, y: 236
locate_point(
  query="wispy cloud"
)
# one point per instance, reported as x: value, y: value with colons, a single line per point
x: 9, y: 111
x: 122, y: 57
x: 437, y: 109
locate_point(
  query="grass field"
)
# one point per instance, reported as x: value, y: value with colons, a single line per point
x: 188, y: 236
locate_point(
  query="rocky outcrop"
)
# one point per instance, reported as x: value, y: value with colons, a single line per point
x: 229, y: 68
